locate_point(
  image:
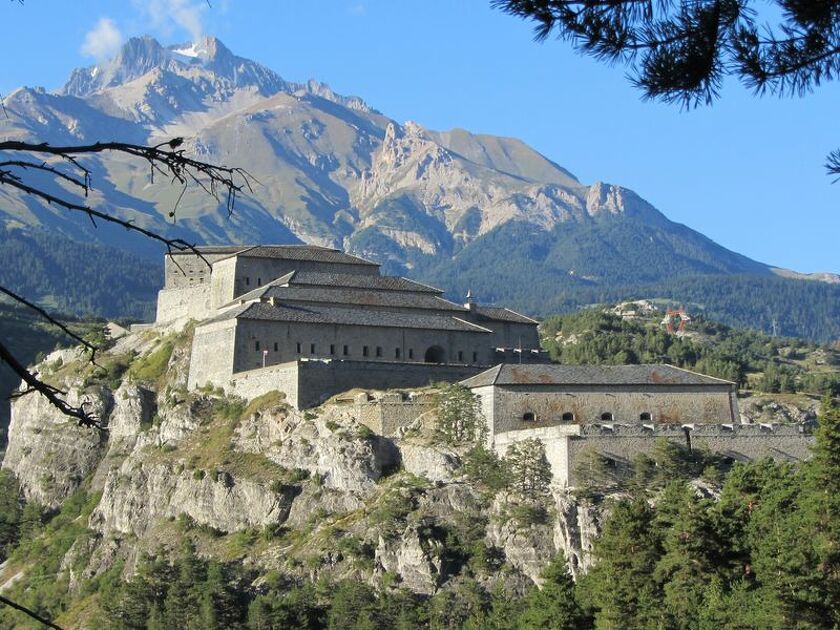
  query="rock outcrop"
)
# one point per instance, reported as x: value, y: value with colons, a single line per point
x: 169, y: 463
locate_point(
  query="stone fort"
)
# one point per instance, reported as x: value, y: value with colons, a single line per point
x: 314, y: 322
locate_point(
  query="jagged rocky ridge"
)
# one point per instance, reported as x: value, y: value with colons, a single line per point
x: 331, y: 169
x: 171, y: 464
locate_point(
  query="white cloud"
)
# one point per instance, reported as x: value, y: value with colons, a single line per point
x: 103, y: 40
x: 171, y: 15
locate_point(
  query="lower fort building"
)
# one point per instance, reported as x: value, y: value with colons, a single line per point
x: 615, y: 413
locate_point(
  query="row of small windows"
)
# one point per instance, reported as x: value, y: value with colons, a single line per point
x: 530, y: 416
x: 248, y: 281
x: 345, y: 350
x: 366, y: 352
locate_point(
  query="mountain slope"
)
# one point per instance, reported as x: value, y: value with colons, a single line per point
x: 465, y: 210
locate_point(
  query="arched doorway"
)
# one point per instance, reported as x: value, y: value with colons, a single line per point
x: 435, y: 354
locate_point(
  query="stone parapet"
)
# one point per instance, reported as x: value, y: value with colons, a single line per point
x: 570, y: 445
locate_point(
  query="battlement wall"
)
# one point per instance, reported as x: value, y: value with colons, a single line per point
x: 389, y: 413
x: 570, y: 445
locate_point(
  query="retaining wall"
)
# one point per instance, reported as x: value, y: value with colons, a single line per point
x: 568, y: 446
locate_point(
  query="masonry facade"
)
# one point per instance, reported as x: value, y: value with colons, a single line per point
x: 619, y: 412
x: 267, y: 310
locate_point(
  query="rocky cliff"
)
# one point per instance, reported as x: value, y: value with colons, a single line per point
x: 304, y: 493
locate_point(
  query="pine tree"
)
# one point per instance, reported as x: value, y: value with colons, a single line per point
x: 553, y: 606
x: 621, y: 589
x: 459, y: 419
x: 530, y: 471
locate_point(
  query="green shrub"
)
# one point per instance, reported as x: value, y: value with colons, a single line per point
x: 152, y: 366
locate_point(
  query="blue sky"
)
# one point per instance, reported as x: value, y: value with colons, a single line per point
x: 747, y: 172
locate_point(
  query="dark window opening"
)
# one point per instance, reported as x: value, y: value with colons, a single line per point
x: 379, y: 351
x: 298, y: 347
x: 364, y: 351
x: 460, y: 356
x: 475, y: 357
x: 332, y: 348
x: 259, y: 282
x: 247, y: 280
x: 606, y: 417
x: 529, y: 416
x: 568, y: 417
x: 311, y: 348
x: 346, y: 350
x: 256, y: 345
x: 411, y: 353
x: 435, y: 354
x: 645, y: 416
x: 396, y: 353
x: 275, y: 346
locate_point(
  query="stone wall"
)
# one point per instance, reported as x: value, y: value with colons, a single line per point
x: 211, y: 360
x: 587, y: 403
x: 281, y: 340
x: 283, y: 378
x: 390, y: 413
x: 320, y: 380
x: 187, y: 270
x: 568, y: 446
x: 185, y: 303
x: 222, y: 282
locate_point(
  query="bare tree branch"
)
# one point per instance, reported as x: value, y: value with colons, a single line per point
x: 26, y: 611
x: 53, y: 394
x: 166, y: 159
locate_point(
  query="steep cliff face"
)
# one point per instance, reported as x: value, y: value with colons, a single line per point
x: 309, y: 493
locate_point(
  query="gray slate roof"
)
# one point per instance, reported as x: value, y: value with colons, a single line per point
x: 328, y: 314
x: 343, y: 280
x: 313, y: 253
x: 499, y: 314
x: 340, y: 296
x: 651, y: 375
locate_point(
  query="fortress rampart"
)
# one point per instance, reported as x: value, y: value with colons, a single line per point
x: 568, y: 447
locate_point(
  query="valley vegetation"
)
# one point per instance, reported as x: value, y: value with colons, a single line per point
x: 751, y: 359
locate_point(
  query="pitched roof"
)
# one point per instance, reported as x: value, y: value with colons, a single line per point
x: 341, y: 280
x: 313, y: 253
x: 211, y: 249
x: 499, y: 314
x: 536, y: 374
x: 329, y: 314
x: 346, y: 289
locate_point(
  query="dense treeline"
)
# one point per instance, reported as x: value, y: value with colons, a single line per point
x: 765, y: 554
x: 84, y: 279
x: 777, y: 364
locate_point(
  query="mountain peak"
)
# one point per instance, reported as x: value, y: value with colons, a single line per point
x: 141, y: 55
x: 208, y: 49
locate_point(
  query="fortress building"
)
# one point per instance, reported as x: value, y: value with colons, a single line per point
x: 313, y: 321
x: 617, y: 412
